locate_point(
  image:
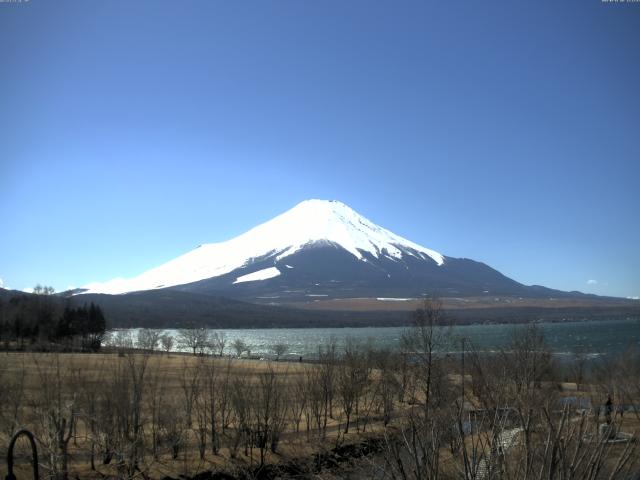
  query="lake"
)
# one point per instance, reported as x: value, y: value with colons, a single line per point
x: 593, y: 337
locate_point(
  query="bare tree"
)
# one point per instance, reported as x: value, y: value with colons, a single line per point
x: 190, y: 386
x: 317, y: 409
x: 218, y: 342
x: 241, y: 403
x: 415, y: 450
x: 387, y: 384
x: 269, y: 412
x: 167, y: 342
x: 298, y: 399
x: 89, y: 391
x: 627, y: 378
x: 239, y: 346
x: 148, y: 339
x: 122, y: 414
x: 328, y: 360
x: 279, y: 349
x: 578, y: 366
x: 43, y: 290
x: 224, y: 395
x: 203, y: 405
x: 12, y: 397
x: 349, y: 380
x: 123, y: 341
x: 171, y: 427
x: 208, y: 405
x: 156, y: 402
x: 194, y: 339
x: 56, y: 409
x: 526, y: 363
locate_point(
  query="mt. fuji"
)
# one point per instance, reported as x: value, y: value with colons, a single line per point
x: 319, y: 250
x: 310, y: 224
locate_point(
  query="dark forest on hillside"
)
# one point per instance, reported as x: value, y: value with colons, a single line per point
x: 42, y: 321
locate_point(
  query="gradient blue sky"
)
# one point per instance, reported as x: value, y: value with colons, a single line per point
x: 507, y: 132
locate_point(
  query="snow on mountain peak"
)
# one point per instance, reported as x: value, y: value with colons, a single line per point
x: 333, y: 221
x: 309, y: 222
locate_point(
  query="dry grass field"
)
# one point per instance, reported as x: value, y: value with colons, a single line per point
x: 457, y: 303
x: 77, y: 387
x: 135, y: 414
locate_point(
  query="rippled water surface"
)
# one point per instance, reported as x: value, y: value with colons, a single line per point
x: 594, y: 337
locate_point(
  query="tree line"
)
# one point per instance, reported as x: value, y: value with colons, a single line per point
x: 43, y: 321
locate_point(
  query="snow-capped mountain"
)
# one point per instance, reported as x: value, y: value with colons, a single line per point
x: 309, y: 223
x: 318, y: 249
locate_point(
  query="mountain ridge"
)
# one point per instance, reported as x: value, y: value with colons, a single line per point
x: 309, y: 223
x: 319, y: 250
x: 170, y: 308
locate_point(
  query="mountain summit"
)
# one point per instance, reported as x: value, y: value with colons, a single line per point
x: 319, y: 250
x: 310, y: 223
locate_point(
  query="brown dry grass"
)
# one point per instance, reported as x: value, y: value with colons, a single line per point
x: 95, y: 367
x: 455, y: 303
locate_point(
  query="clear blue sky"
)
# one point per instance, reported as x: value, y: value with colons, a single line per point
x: 507, y: 132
